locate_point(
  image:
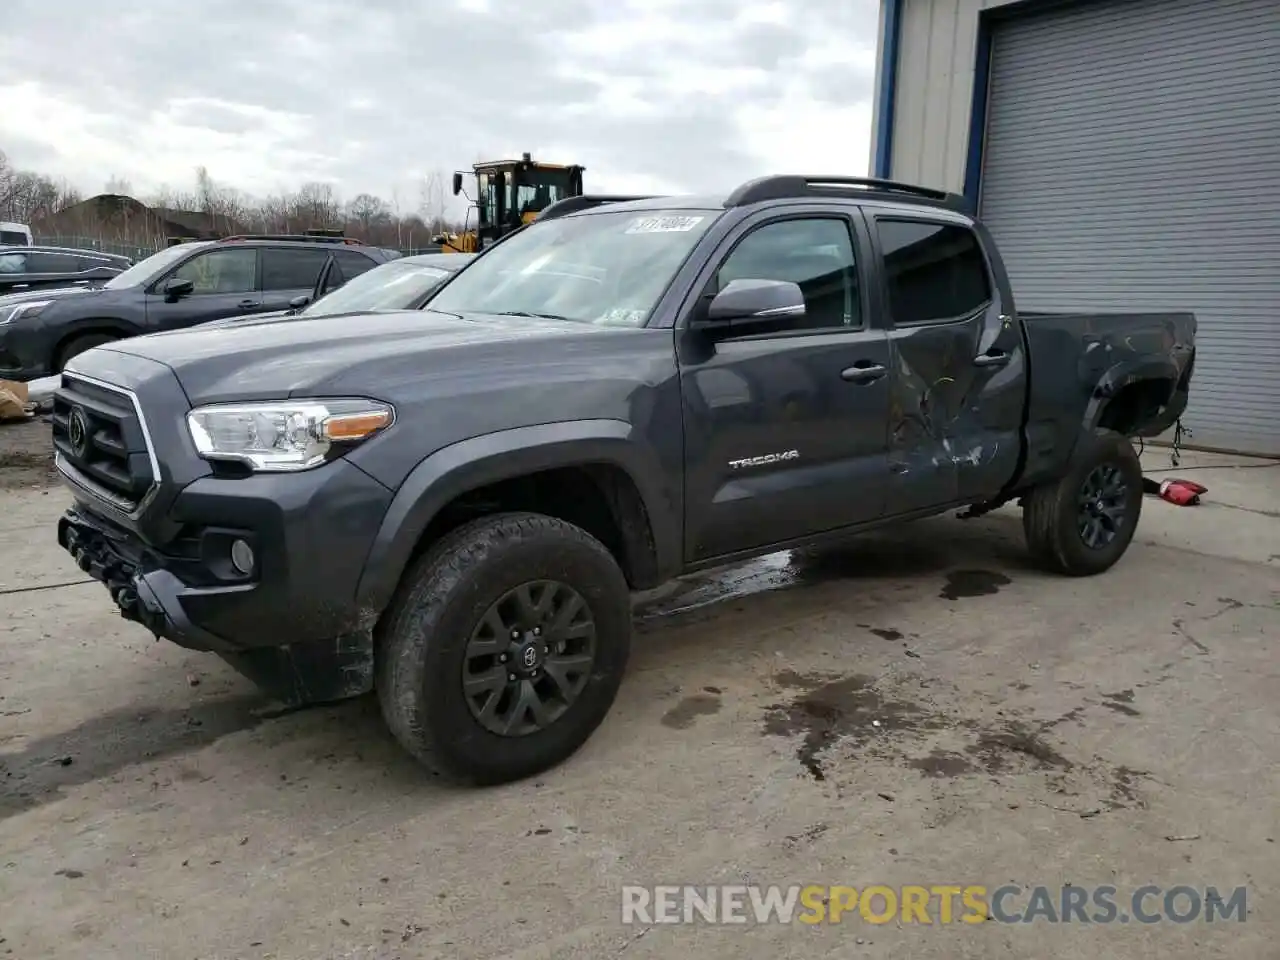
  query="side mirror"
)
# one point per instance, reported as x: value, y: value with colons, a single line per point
x: 298, y: 302
x: 457, y: 184
x: 744, y: 303
x: 176, y: 287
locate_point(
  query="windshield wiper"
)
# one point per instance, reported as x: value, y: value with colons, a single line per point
x: 536, y: 316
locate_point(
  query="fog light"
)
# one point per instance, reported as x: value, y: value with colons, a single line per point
x: 242, y: 557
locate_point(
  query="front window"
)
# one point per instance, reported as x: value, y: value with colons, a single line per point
x: 224, y: 271
x: 144, y: 270
x: 608, y: 268
x: 393, y: 286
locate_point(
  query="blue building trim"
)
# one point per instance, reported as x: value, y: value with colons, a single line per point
x: 978, y: 112
x: 890, y: 43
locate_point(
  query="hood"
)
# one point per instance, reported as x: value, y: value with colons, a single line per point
x: 48, y: 293
x: 244, y: 318
x: 370, y: 355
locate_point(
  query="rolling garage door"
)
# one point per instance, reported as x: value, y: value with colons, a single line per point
x: 1132, y: 161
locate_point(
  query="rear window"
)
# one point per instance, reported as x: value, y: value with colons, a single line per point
x: 933, y: 271
x: 55, y: 263
x: 13, y: 238
x: 353, y: 264
x: 290, y: 269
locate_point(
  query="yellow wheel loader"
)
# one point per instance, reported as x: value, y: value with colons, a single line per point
x: 509, y: 194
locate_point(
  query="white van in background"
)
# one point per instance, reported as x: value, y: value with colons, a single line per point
x: 15, y: 235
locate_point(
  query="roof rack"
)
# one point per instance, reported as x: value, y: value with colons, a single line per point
x: 293, y: 237
x: 790, y: 186
x: 562, y: 208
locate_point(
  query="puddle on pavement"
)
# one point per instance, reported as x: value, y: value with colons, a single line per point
x: 962, y: 584
x: 830, y: 709
x: 993, y: 753
x: 685, y: 713
x: 829, y: 712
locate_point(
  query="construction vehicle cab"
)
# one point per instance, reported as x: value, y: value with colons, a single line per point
x: 509, y: 194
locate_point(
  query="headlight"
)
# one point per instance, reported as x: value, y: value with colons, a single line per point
x: 30, y: 308
x: 287, y: 434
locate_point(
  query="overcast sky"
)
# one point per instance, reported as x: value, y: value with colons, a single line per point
x: 373, y: 95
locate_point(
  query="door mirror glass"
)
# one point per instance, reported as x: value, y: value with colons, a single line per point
x: 457, y: 184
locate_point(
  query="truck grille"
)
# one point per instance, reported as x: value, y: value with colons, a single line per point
x: 97, y: 431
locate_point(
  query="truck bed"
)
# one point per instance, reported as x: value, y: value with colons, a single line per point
x: 1125, y: 371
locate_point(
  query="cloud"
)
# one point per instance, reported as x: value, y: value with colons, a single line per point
x: 375, y: 95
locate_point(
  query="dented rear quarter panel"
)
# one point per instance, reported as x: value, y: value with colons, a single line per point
x: 1081, y: 361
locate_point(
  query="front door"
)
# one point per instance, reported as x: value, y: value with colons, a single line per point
x: 958, y: 398
x: 225, y: 283
x: 785, y: 428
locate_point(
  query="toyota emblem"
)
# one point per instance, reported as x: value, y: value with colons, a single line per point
x: 530, y: 656
x: 78, y: 432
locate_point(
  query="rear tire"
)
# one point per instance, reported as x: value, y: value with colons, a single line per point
x: 79, y: 345
x: 1083, y: 523
x: 462, y: 606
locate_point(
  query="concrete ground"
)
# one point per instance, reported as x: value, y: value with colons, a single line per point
x: 919, y: 708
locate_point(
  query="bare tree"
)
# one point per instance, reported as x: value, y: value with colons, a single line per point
x: 59, y: 209
x: 368, y: 211
x: 316, y: 205
x: 118, y: 186
x: 432, y: 205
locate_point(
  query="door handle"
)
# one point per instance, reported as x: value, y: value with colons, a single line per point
x: 864, y: 371
x: 992, y: 358
x: 248, y: 303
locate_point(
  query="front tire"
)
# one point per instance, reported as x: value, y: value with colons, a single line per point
x: 504, y: 648
x: 1083, y: 523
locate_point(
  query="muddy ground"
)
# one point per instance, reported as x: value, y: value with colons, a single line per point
x: 920, y: 707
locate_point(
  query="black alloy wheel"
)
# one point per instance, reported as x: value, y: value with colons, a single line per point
x: 1103, y: 505
x: 529, y: 658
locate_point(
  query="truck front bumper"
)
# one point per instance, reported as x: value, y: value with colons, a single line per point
x: 23, y: 357
x: 291, y: 623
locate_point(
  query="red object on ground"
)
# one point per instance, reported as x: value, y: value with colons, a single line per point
x: 1183, y: 493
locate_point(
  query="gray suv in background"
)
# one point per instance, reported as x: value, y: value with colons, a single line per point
x: 179, y: 287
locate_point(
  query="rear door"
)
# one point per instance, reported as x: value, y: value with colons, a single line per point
x: 956, y: 410
x: 785, y: 429
x: 289, y: 272
x: 225, y: 283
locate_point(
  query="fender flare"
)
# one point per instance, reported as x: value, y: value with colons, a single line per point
x: 478, y: 461
x: 1116, y: 379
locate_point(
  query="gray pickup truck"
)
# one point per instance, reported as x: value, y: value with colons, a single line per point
x: 452, y: 505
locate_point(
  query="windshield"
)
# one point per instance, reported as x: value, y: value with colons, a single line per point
x: 393, y: 286
x: 605, y: 268
x: 143, y: 270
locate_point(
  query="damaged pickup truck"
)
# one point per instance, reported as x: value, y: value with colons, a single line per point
x: 452, y: 505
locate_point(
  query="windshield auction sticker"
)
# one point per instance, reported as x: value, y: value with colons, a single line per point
x: 663, y: 224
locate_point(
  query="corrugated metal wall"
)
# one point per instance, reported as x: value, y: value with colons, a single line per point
x: 1132, y: 162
